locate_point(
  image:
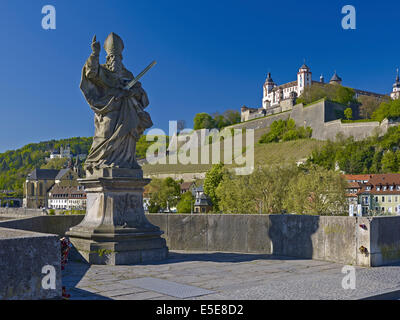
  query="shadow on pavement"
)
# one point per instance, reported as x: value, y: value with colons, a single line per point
x: 174, y: 257
x: 71, y: 276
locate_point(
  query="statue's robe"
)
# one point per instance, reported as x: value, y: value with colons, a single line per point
x: 118, y: 122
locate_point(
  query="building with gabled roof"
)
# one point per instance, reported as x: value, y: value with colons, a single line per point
x: 39, y: 182
x: 375, y: 193
x: 68, y: 198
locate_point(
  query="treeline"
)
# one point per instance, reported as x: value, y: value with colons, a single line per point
x: 216, y: 120
x: 277, y: 189
x: 15, y: 165
x: 372, y: 155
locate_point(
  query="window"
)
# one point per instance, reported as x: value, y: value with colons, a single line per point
x: 378, y: 188
x: 383, y: 199
x: 391, y: 188
x: 389, y: 199
x: 376, y: 199
x: 384, y: 188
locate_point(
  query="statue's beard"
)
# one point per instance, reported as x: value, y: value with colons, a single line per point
x: 114, y: 65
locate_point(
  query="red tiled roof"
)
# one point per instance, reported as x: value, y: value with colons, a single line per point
x: 66, y: 192
x: 186, y: 185
x: 354, y: 185
x: 358, y: 177
x: 377, y: 180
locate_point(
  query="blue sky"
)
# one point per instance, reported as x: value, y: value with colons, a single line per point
x: 212, y: 55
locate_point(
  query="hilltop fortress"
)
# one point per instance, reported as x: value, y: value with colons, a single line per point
x: 323, y: 116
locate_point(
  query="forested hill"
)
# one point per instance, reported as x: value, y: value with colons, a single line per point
x: 16, y: 164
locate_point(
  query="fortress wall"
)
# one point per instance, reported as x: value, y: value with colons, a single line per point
x: 321, y: 118
x: 359, y: 130
x: 262, y: 122
x: 310, y: 116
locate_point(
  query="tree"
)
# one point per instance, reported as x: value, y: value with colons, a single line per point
x: 368, y: 105
x: 344, y: 95
x: 387, y: 109
x: 263, y: 191
x: 203, y: 121
x: 317, y: 192
x: 219, y: 120
x: 348, y: 113
x: 232, y: 117
x: 212, y: 180
x: 164, y: 194
x: 336, y: 93
x: 389, y: 162
x: 186, y: 203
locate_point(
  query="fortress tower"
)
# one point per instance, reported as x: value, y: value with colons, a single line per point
x: 303, y: 78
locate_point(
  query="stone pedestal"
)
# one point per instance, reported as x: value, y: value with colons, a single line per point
x: 115, y: 229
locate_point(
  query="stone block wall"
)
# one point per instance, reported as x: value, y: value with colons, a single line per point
x: 336, y: 239
x: 23, y: 255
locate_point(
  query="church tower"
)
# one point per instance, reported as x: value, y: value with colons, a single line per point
x: 267, y: 91
x: 77, y: 167
x: 268, y: 85
x: 396, y: 88
x: 336, y: 79
x: 303, y: 78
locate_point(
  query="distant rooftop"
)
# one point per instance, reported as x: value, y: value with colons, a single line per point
x: 43, y: 174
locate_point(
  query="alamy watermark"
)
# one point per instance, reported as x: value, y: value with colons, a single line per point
x: 205, y: 146
x: 349, y: 280
x: 349, y: 20
x: 49, y: 280
x: 49, y: 20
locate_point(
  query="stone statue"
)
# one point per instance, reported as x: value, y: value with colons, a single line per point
x: 120, y: 118
x: 115, y: 229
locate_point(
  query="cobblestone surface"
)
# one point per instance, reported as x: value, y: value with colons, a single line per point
x: 231, y: 276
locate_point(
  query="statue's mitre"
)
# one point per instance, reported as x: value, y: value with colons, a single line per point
x: 113, y: 44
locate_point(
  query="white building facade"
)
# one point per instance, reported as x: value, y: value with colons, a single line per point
x: 67, y: 198
x: 274, y: 94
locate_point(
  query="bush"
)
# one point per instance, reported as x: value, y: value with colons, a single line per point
x: 285, y: 130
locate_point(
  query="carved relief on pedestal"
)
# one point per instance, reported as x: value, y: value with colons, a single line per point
x: 128, y: 207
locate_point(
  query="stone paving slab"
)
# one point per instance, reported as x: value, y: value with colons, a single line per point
x: 233, y: 276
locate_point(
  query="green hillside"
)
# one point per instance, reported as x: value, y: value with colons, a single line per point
x: 264, y: 154
x: 16, y: 164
